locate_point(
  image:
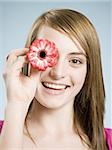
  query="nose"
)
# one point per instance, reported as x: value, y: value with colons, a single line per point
x: 58, y: 71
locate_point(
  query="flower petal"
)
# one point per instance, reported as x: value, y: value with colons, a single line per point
x: 50, y: 58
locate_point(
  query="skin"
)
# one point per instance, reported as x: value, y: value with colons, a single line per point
x: 50, y: 121
x: 52, y: 113
x: 65, y: 72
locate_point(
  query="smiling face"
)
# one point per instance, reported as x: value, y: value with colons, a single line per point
x: 60, y: 84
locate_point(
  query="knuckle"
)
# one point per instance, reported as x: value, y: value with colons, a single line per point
x: 4, y: 74
x: 14, y: 50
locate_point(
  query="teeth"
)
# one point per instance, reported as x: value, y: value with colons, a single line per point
x: 54, y: 86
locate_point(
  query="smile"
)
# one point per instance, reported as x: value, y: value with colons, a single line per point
x: 54, y: 86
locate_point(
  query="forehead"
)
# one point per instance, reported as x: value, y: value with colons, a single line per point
x: 62, y: 41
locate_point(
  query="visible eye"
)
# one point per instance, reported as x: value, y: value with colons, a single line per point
x: 75, y: 61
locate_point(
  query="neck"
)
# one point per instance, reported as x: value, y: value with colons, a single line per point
x: 52, y: 120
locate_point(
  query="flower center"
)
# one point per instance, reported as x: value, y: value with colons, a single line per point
x: 42, y: 54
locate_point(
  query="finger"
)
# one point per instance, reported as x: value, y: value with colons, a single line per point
x: 11, y: 58
x: 16, y: 68
x: 19, y: 52
x: 20, y: 61
x: 34, y: 73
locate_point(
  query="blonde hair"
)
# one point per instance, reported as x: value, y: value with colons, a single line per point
x: 89, y: 102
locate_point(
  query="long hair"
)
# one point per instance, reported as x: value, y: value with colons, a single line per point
x: 89, y: 102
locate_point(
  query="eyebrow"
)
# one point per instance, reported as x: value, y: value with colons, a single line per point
x: 78, y: 53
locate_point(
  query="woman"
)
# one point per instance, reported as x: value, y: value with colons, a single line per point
x: 63, y: 106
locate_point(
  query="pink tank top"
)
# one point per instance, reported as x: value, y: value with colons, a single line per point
x: 107, y: 132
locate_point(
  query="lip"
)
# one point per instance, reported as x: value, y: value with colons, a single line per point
x: 54, y: 91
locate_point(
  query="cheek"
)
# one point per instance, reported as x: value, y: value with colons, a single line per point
x: 44, y: 74
x: 78, y: 76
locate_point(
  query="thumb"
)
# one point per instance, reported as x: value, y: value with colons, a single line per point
x: 34, y: 73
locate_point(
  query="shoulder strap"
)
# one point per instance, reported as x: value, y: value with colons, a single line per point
x: 1, y: 125
x: 108, y: 136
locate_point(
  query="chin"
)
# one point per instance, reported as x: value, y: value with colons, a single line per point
x: 50, y: 103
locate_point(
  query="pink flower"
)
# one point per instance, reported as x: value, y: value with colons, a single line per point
x: 42, y: 54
